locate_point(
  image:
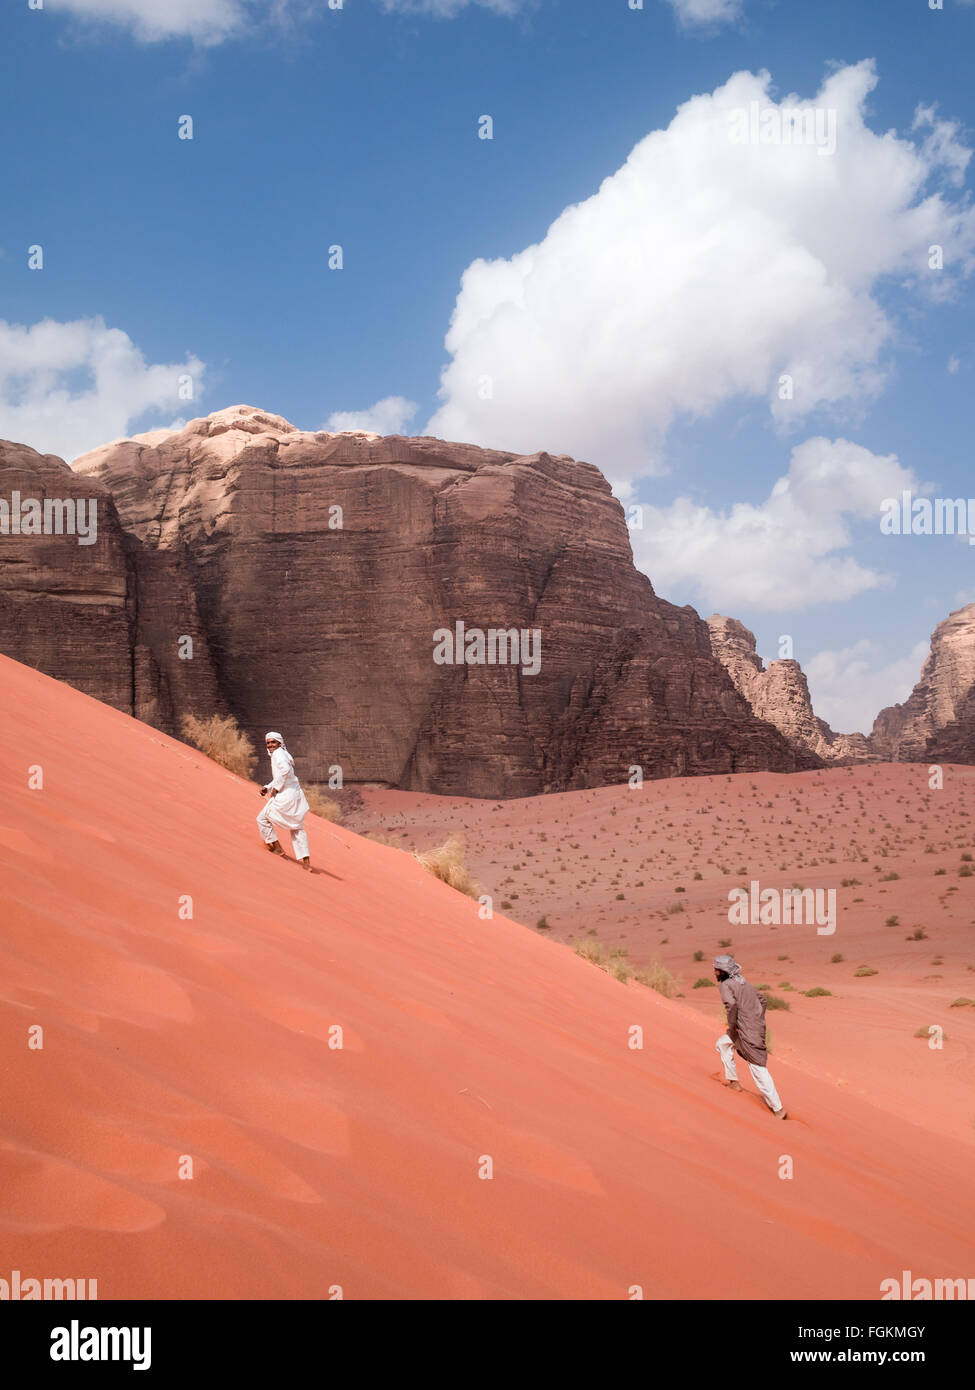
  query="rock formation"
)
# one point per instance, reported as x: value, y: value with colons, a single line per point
x: 100, y: 616
x: 780, y: 695
x: 315, y: 570
x: 305, y: 580
x: 937, y: 721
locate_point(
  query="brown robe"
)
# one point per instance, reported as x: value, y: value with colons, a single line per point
x: 745, y: 1008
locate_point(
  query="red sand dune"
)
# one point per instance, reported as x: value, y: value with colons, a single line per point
x: 649, y: 871
x: 315, y: 1167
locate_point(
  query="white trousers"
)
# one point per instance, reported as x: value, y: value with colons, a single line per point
x: 266, y: 822
x: 760, y: 1075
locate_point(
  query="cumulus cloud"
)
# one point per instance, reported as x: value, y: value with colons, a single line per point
x: 788, y: 552
x: 850, y: 687
x: 706, y: 12
x: 67, y: 387
x: 205, y: 21
x: 707, y: 268
x: 391, y: 415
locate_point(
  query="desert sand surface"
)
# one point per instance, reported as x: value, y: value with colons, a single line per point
x: 468, y: 1046
x: 648, y: 872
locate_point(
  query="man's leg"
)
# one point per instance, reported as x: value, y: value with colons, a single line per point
x: 268, y: 833
x: 726, y: 1049
x: 766, y: 1086
x: 299, y: 842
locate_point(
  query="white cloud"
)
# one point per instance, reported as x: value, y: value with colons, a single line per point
x: 209, y: 22
x: 786, y: 553
x: 851, y: 686
x: 691, y: 12
x: 446, y: 9
x: 954, y: 365
x: 67, y: 387
x: 388, y: 416
x: 701, y: 271
x: 205, y: 21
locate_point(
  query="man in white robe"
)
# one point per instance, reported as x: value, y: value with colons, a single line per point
x: 286, y: 804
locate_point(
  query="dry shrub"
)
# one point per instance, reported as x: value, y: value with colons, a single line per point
x: 447, y: 863
x: 657, y: 976
x: 220, y: 739
x: 590, y: 951
x: 321, y: 805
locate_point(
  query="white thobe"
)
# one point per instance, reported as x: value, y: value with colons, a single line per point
x: 288, y: 808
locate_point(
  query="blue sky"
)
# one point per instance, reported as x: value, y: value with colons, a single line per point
x: 359, y: 127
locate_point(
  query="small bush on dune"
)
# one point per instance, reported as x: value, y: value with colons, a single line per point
x: 590, y: 951
x: 220, y: 739
x: 862, y: 970
x: 447, y: 863
x: 702, y: 983
x: 817, y: 992
x: 772, y: 1001
x: 657, y: 976
x: 321, y: 805
x: 963, y: 1003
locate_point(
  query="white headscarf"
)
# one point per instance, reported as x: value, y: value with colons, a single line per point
x: 278, y: 739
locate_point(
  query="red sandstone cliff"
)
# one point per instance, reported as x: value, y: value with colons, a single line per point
x: 780, y: 694
x: 937, y: 721
x: 106, y: 617
x: 327, y: 630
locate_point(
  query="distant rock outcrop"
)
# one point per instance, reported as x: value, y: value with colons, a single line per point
x: 937, y: 721
x: 780, y: 695
x: 316, y: 570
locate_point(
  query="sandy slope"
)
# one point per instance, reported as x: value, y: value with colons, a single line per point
x: 316, y: 1167
x: 649, y: 872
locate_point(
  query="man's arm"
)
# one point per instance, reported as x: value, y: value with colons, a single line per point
x: 731, y: 1009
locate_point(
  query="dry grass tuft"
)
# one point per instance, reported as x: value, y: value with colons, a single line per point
x: 220, y: 739
x: 321, y: 805
x: 657, y: 976
x: 447, y: 863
